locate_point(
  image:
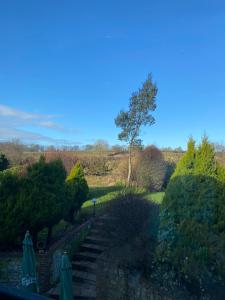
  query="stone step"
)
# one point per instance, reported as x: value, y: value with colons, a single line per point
x: 101, y: 231
x: 95, y: 239
x: 84, y: 266
x: 106, y: 218
x: 99, y: 223
x: 86, y: 255
x: 79, y: 290
x: 93, y: 247
x: 77, y: 281
x: 82, y: 276
x: 97, y: 231
x: 84, y: 298
x: 84, y: 263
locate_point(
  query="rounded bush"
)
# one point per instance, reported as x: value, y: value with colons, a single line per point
x: 150, y: 169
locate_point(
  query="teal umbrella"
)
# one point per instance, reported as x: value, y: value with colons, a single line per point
x: 66, y: 287
x: 29, y: 275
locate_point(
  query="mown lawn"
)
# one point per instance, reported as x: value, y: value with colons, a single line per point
x: 104, y: 195
x: 155, y: 197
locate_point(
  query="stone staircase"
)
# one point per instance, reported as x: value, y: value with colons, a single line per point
x: 84, y: 264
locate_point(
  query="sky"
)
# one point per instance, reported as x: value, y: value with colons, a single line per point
x: 68, y: 67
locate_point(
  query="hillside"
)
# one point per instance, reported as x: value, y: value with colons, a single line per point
x: 102, y: 168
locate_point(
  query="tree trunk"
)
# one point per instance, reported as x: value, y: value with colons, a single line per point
x: 49, y: 235
x: 129, y: 167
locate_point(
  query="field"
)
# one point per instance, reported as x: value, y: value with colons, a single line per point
x: 102, y: 168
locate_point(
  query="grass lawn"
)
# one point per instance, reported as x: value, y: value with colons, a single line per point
x: 155, y: 197
x: 104, y: 195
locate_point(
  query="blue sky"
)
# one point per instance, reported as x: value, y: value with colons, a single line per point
x: 68, y: 67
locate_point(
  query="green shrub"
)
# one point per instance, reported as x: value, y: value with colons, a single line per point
x: 192, y: 219
x: 4, y: 163
x: 10, y: 221
x: 42, y: 195
x: 33, y: 201
x: 77, y: 191
x: 17, y: 170
x: 187, y: 164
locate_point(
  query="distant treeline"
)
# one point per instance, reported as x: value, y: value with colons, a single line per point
x: 100, y: 145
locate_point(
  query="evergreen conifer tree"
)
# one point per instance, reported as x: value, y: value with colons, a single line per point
x: 205, y: 159
x: 187, y: 163
x: 192, y: 218
x: 77, y: 189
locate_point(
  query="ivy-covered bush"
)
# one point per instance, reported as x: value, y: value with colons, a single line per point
x: 192, y: 220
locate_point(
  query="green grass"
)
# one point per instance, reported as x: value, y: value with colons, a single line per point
x: 104, y: 195
x: 155, y: 197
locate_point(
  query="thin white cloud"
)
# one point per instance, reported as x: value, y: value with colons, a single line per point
x: 22, y: 117
x: 50, y: 125
x: 31, y: 137
x: 7, y: 111
x: 12, y: 133
x: 14, y: 124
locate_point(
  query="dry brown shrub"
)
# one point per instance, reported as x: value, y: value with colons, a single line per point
x: 122, y: 167
x: 220, y: 156
x: 14, y: 151
x: 150, y: 169
x: 95, y: 165
x: 68, y: 158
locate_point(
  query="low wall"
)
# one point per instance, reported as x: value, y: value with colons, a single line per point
x: 11, y: 268
x: 46, y: 259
